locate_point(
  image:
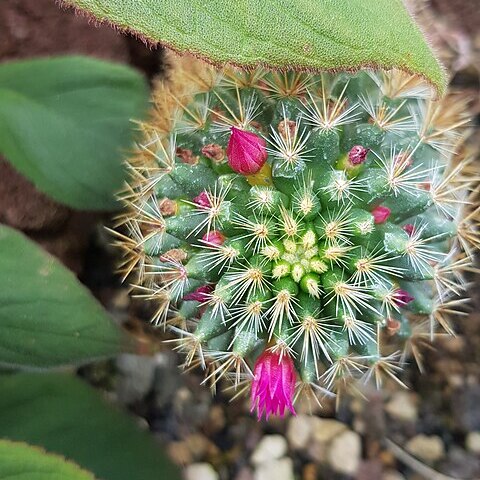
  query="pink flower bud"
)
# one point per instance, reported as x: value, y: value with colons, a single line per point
x: 357, y: 154
x: 273, y: 384
x: 380, y: 214
x: 201, y: 294
x: 246, y: 152
x: 214, y: 238
x: 402, y: 298
x: 409, y: 228
x: 202, y: 200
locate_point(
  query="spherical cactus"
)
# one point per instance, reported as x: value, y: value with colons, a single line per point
x: 296, y: 231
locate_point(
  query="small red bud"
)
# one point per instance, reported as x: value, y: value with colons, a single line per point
x: 402, y: 297
x: 168, y: 207
x: 246, y: 152
x: 214, y: 238
x: 201, y: 294
x: 381, y: 214
x: 357, y: 154
x: 409, y: 228
x: 203, y: 200
x: 393, y: 326
x: 214, y: 152
x: 186, y: 155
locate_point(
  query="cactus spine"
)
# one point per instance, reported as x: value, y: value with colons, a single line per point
x: 326, y: 217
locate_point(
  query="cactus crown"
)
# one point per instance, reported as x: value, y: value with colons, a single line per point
x: 321, y: 217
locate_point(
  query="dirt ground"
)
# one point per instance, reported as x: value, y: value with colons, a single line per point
x: 393, y: 435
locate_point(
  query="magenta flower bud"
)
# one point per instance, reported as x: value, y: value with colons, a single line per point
x: 402, y: 298
x: 201, y: 294
x: 214, y: 238
x: 409, y: 228
x: 380, y: 214
x: 273, y: 384
x: 357, y: 154
x: 246, y: 152
x: 202, y: 200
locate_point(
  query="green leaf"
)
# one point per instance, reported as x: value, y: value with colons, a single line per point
x: 47, y: 318
x: 65, y: 123
x: 65, y: 416
x: 299, y: 34
x: 24, y: 462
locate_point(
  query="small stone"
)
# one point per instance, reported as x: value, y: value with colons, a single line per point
x: 310, y: 472
x: 198, y: 445
x: 465, y: 409
x: 392, y: 475
x: 359, y: 425
x: 136, y: 377
x: 299, y: 431
x: 275, y: 470
x: 325, y: 429
x: 472, y: 442
x: 317, y: 452
x: 427, y: 448
x: 369, y: 469
x: 244, y: 474
x: 402, y: 407
x: 179, y: 453
x: 200, y: 471
x: 167, y: 380
x: 455, y: 380
x: 345, y: 453
x: 270, y: 447
x: 216, y: 419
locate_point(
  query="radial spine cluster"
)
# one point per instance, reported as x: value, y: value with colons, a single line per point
x: 325, y: 219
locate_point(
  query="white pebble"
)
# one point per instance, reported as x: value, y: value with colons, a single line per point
x: 345, y: 453
x: 200, y: 471
x: 427, y: 448
x: 270, y: 447
x: 275, y: 470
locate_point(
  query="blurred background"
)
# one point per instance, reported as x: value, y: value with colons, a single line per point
x: 437, y: 420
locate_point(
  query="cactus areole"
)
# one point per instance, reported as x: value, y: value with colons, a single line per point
x: 317, y: 226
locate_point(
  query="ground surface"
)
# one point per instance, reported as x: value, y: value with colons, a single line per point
x: 438, y: 419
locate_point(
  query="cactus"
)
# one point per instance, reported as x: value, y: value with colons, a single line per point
x: 299, y: 232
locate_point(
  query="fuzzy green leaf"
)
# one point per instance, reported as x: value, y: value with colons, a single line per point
x: 47, y: 318
x: 319, y: 35
x: 65, y: 416
x: 24, y: 462
x: 65, y: 123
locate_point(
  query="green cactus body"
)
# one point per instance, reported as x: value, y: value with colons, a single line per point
x: 327, y: 250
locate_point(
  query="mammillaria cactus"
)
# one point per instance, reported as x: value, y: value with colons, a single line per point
x: 299, y: 232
